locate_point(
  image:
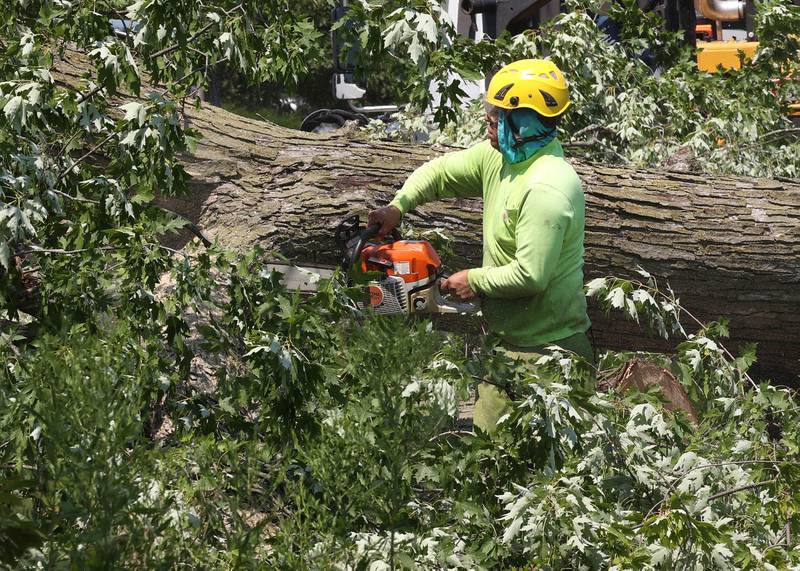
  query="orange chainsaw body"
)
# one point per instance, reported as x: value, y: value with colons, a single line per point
x: 415, y: 261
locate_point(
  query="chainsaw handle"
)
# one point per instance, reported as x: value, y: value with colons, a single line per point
x: 372, y: 230
x: 429, y: 299
x: 366, y: 234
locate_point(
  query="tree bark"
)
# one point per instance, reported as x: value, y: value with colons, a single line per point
x: 729, y: 247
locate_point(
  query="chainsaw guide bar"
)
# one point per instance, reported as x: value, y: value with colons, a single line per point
x: 304, y: 278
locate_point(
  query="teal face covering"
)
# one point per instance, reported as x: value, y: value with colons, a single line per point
x: 532, y: 135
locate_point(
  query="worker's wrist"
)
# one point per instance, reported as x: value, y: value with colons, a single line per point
x: 402, y: 204
x: 474, y: 276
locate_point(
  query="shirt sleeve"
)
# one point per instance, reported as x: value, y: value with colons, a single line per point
x: 457, y: 174
x: 541, y: 227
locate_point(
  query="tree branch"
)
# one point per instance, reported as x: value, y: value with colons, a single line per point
x: 66, y: 252
x: 97, y: 89
x: 64, y: 172
x: 741, y: 489
x: 76, y: 198
x: 591, y: 129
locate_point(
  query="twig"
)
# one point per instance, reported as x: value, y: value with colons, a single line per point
x: 778, y: 539
x: 760, y: 140
x: 505, y: 387
x: 452, y: 433
x: 76, y: 198
x: 724, y: 349
x: 581, y: 144
x: 593, y: 142
x: 97, y: 89
x: 790, y: 131
x: 674, y: 301
x: 204, y: 68
x: 612, y: 151
x: 193, y: 37
x: 121, y: 17
x: 172, y: 250
x: 741, y: 489
x: 36, y: 250
x: 10, y: 344
x: 702, y: 467
x: 72, y: 138
x: 64, y: 172
x: 736, y: 463
x: 591, y: 129
x: 168, y: 50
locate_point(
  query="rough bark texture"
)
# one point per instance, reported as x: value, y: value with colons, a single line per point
x: 729, y: 247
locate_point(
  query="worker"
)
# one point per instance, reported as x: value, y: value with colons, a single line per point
x: 531, y: 281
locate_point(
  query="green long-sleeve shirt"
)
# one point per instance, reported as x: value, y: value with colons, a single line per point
x: 533, y: 226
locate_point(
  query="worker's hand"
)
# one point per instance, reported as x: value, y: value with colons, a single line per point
x: 458, y: 284
x: 388, y: 217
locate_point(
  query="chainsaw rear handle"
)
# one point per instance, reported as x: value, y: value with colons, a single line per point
x: 443, y: 305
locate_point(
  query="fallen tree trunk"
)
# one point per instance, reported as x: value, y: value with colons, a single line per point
x: 729, y: 247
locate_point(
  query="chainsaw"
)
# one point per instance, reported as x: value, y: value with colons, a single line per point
x: 409, y: 272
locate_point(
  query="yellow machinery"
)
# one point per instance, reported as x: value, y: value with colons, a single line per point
x: 729, y: 55
x: 725, y: 54
x: 727, y: 38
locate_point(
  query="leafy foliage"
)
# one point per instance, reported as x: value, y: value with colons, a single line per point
x: 166, y: 409
x: 330, y: 441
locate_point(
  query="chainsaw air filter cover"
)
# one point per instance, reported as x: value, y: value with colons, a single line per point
x: 415, y: 261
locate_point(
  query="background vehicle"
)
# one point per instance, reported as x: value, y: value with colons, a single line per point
x: 721, y: 29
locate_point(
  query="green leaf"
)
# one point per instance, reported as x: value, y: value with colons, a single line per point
x: 135, y: 111
x: 143, y: 196
x: 5, y: 256
x: 747, y: 357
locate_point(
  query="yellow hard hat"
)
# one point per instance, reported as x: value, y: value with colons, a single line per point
x: 530, y: 83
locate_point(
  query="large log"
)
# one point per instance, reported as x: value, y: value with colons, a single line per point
x: 729, y: 247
